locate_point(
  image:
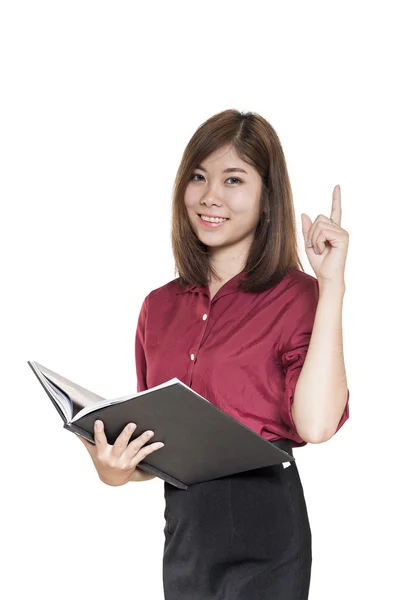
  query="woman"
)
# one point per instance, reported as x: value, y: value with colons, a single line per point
x: 249, y: 330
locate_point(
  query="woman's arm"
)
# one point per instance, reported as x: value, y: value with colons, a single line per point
x: 321, y: 392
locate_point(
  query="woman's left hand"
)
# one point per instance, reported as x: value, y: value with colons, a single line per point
x: 327, y: 251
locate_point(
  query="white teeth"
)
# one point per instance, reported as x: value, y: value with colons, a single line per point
x: 213, y: 219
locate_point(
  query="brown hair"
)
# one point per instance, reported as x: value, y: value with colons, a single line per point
x: 273, y: 251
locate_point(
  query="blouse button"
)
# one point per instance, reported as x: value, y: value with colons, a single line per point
x: 204, y: 317
x: 192, y: 356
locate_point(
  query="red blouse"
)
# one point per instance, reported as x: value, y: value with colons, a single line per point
x: 242, y: 351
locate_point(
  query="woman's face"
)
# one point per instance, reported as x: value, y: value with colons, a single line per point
x: 224, y: 186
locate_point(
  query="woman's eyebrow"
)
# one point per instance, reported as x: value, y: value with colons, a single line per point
x: 229, y: 170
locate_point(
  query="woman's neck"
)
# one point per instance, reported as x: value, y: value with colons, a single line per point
x: 227, y: 265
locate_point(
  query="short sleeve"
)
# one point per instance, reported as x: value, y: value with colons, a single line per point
x: 298, y: 329
x: 140, y: 355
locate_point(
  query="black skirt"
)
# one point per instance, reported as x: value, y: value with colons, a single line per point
x: 242, y: 537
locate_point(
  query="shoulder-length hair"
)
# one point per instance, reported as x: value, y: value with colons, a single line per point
x: 274, y: 250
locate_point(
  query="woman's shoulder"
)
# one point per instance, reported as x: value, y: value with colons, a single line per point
x: 297, y: 291
x: 166, y: 291
x: 300, y: 280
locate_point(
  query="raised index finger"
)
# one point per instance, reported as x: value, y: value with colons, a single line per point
x: 336, y: 205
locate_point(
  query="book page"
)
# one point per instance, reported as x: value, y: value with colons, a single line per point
x: 79, y: 396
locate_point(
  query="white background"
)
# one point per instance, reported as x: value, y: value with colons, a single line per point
x: 98, y: 100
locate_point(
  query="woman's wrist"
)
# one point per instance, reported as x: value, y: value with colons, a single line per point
x: 140, y: 475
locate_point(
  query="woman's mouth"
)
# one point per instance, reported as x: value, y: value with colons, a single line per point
x: 212, y: 221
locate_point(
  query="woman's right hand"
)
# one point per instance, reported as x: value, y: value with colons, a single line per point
x: 116, y: 464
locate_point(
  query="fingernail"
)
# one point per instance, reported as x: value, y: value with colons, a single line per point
x: 98, y: 424
x: 309, y: 243
x: 131, y: 426
x: 148, y: 433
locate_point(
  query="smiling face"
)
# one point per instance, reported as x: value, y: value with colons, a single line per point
x: 224, y: 186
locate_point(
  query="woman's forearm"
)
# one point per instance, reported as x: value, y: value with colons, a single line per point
x: 140, y: 475
x: 321, y: 391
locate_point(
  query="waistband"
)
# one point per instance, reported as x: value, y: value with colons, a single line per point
x: 284, y: 444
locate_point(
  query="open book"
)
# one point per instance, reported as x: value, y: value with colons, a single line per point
x: 201, y: 442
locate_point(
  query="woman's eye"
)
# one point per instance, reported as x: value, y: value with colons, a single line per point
x: 195, y: 175
x: 192, y: 178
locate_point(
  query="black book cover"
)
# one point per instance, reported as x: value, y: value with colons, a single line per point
x: 201, y: 442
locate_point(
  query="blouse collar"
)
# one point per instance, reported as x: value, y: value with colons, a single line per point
x: 229, y: 286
